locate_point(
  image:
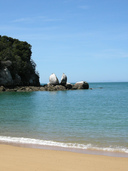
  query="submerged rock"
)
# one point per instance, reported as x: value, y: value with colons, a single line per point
x: 53, y: 80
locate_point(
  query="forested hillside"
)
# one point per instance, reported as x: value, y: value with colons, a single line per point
x: 16, y: 62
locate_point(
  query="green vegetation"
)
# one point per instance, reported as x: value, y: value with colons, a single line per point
x: 19, y: 53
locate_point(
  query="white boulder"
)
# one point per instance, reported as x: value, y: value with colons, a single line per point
x: 53, y: 80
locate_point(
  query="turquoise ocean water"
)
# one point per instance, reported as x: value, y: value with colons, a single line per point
x: 94, y: 119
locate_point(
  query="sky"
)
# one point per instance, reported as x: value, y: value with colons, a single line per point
x: 85, y: 39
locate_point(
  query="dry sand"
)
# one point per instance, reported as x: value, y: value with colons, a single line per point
x: 14, y: 158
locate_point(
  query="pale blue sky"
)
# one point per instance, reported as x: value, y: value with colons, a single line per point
x: 85, y: 39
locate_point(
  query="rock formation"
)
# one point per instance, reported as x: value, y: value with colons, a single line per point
x: 16, y: 66
x: 18, y: 70
x: 9, y: 80
x: 47, y: 87
x: 5, y: 77
x: 63, y: 79
x: 69, y: 86
x: 53, y: 80
x: 81, y: 85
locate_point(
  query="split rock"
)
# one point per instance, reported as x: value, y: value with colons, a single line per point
x: 63, y: 79
x: 53, y: 80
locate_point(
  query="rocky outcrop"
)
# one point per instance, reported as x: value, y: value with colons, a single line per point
x: 17, y: 81
x: 63, y: 79
x: 16, y: 66
x: 5, y: 77
x: 7, y: 80
x: 53, y: 80
x: 81, y: 85
x: 14, y: 83
x: 50, y: 87
x: 6, y: 63
x: 47, y: 87
x: 2, y: 88
x: 69, y: 86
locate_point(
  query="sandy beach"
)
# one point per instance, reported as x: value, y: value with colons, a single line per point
x: 14, y: 158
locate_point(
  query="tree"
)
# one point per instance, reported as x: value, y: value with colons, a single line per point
x: 19, y: 53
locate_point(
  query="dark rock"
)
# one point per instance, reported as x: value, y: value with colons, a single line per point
x: 81, y: 85
x: 17, y: 81
x: 50, y: 87
x: 69, y: 86
x: 2, y: 88
x: 7, y: 80
x: 28, y: 89
x: 47, y: 87
x: 63, y: 79
x: 60, y: 87
x: 34, y: 80
x: 5, y: 77
x: 6, y: 63
x: 42, y: 88
x: 16, y: 66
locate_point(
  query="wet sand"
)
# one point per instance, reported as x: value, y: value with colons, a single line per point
x: 14, y: 158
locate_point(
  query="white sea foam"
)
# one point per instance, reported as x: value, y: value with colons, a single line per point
x: 22, y: 140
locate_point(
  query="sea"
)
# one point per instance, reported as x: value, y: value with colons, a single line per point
x: 93, y: 121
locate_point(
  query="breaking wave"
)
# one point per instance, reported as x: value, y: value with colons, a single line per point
x: 29, y: 141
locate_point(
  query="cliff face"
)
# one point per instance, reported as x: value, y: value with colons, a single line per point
x: 5, y: 77
x: 16, y: 66
x: 7, y: 80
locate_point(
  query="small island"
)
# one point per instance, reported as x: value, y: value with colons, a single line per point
x: 18, y: 70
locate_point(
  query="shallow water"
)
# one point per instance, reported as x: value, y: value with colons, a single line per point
x: 94, y: 119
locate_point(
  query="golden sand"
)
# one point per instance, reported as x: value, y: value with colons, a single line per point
x: 14, y: 158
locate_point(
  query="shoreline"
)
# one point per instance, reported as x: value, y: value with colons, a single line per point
x: 15, y: 158
x: 66, y: 149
